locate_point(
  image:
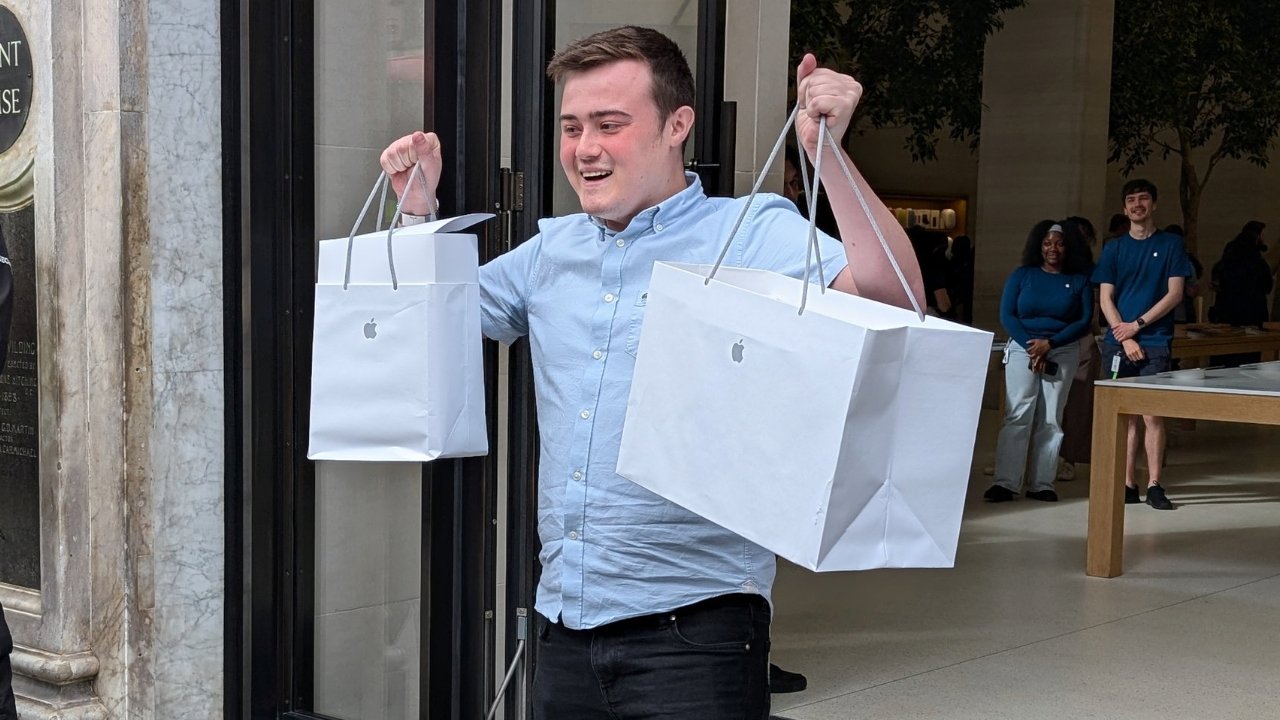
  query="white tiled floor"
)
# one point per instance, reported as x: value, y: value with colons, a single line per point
x: 1016, y: 630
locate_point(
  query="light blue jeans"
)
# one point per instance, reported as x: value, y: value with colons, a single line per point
x: 1032, y: 429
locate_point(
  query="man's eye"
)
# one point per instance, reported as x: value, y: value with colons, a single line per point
x: 569, y: 130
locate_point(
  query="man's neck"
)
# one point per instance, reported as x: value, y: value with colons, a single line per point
x: 1143, y: 230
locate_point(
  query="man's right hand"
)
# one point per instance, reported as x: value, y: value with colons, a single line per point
x: 1133, y: 350
x: 398, y: 160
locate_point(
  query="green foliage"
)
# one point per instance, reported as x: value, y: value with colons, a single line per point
x: 919, y: 61
x: 1187, y: 74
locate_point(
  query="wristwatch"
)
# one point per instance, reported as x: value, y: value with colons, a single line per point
x: 1141, y: 322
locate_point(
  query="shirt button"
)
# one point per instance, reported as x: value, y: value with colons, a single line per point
x: 577, y: 474
x: 658, y: 227
x: 573, y: 535
x: 608, y: 297
x: 584, y: 414
x: 621, y: 242
x: 597, y: 354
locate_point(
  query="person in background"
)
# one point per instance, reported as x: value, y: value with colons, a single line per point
x: 1046, y: 308
x: 1243, y: 279
x: 780, y: 680
x: 793, y: 190
x: 931, y: 253
x: 1186, y: 311
x: 1140, y: 277
x: 8, y: 704
x: 1117, y: 226
x: 960, y: 278
x: 1077, y: 418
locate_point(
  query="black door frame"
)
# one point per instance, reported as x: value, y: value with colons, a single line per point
x: 269, y: 256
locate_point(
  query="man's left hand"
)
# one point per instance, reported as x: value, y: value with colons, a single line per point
x: 824, y: 92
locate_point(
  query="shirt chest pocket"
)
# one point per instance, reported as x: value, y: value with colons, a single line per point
x: 635, y: 322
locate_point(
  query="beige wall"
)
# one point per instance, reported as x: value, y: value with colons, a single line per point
x: 1046, y: 83
x: 757, y: 36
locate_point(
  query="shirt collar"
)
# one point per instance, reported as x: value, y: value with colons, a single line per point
x: 663, y: 215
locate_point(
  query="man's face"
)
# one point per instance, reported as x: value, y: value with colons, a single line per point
x: 619, y: 155
x: 1139, y: 206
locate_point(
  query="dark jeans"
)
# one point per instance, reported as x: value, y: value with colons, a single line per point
x: 8, y: 707
x: 706, y: 661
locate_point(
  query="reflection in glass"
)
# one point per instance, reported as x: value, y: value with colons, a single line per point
x: 369, y: 70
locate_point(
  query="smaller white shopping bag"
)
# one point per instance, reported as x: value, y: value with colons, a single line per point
x: 397, y: 366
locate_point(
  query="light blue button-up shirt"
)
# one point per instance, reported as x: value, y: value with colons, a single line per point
x: 610, y: 548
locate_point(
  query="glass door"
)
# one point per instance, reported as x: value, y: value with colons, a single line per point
x: 367, y: 590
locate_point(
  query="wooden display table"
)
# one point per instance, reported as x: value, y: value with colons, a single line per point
x: 1197, y: 343
x: 1224, y: 395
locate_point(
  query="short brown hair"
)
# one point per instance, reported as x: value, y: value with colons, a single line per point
x: 672, y: 80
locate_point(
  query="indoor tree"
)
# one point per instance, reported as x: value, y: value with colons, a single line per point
x: 1197, y: 79
x: 919, y: 61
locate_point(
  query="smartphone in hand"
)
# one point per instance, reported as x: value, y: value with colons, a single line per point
x: 1050, y: 367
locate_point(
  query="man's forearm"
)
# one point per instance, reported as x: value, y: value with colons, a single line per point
x: 871, y: 271
x: 1109, y: 310
x: 1166, y: 305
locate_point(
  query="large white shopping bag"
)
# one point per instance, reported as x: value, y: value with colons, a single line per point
x: 397, y: 367
x: 839, y: 437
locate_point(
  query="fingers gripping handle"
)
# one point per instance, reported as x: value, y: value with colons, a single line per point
x: 381, y: 183
x: 825, y: 138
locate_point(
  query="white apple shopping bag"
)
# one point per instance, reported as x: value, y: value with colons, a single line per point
x: 397, y: 367
x: 840, y: 437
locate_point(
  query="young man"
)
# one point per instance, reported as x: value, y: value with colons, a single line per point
x: 645, y: 609
x: 1141, y: 276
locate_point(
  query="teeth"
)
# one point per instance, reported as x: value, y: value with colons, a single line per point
x: 596, y: 174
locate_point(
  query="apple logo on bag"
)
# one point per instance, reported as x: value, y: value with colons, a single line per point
x: 736, y: 351
x: 371, y: 329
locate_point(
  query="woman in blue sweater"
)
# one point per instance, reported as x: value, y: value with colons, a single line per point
x: 1045, y: 308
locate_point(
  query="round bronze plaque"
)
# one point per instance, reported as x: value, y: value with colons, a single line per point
x: 15, y: 79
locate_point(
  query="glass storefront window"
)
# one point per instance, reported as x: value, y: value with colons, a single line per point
x: 369, y: 61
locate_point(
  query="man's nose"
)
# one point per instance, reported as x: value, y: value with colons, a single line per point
x: 588, y: 145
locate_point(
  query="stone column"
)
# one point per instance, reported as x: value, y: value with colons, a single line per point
x: 1046, y: 90
x: 757, y: 38
x: 127, y: 621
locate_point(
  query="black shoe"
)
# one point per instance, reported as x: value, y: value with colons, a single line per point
x: 1131, y: 496
x: 999, y: 493
x: 1045, y: 495
x: 785, y: 681
x: 1157, y: 499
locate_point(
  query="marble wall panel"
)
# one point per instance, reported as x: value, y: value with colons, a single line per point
x: 186, y: 453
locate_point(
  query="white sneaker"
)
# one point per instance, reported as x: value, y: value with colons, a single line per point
x: 1066, y: 470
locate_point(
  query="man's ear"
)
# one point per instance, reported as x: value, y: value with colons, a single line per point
x: 679, y: 125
